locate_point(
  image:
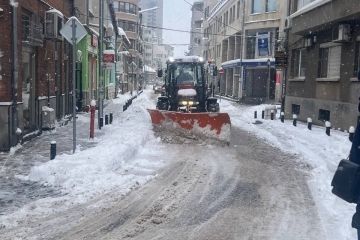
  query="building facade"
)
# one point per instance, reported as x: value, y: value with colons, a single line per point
x: 129, y: 19
x: 34, y: 68
x: 324, y: 43
x: 153, y: 18
x: 197, y: 16
x: 241, y: 36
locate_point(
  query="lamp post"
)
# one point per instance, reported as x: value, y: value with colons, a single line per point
x: 268, y: 80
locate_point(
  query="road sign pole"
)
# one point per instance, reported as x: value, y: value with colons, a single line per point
x: 101, y: 75
x: 74, y: 81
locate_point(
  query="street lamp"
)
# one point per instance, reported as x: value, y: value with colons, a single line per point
x: 268, y: 81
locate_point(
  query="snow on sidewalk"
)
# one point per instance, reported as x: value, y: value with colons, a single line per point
x: 109, y: 166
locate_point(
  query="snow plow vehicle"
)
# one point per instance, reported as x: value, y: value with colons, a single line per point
x: 185, y: 106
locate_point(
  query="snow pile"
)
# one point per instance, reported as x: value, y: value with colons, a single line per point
x: 126, y: 157
x: 313, y: 147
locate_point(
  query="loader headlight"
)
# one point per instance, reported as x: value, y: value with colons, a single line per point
x: 184, y: 103
x: 191, y: 103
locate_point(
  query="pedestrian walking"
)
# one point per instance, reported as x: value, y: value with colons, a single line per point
x: 355, y: 158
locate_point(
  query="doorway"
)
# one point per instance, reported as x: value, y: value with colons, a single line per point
x: 28, y: 89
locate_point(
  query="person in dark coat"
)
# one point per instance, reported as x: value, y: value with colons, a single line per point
x: 355, y: 158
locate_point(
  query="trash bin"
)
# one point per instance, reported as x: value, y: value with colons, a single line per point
x: 48, y: 118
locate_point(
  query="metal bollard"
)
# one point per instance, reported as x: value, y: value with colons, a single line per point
x: 111, y: 118
x: 92, y: 118
x: 255, y: 114
x: 101, y: 122
x: 351, y: 133
x: 52, y: 150
x: 106, y: 119
x: 294, y: 120
x: 282, y: 116
x: 263, y: 114
x: 328, y: 127
x: 309, y: 123
x: 272, y: 114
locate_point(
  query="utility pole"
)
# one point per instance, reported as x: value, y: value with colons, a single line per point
x: 15, y: 71
x: 215, y: 56
x: 101, y: 77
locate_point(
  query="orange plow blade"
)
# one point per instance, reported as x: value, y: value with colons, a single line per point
x: 212, y: 125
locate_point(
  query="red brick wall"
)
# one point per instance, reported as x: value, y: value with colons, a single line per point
x: 45, y: 55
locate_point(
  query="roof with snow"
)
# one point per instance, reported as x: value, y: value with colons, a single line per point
x: 260, y: 62
x: 148, y: 69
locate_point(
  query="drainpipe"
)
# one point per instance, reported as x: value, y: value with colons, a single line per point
x: 15, y: 73
x: 287, y: 51
x: 66, y: 46
x: 57, y: 75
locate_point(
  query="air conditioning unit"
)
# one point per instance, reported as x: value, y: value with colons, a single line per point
x: 343, y: 33
x: 288, y: 23
x: 53, y: 24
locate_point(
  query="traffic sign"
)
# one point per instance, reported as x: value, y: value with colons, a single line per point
x: 281, y: 59
x: 80, y: 31
x: 221, y: 71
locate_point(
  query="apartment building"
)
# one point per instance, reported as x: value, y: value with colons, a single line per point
x: 196, y: 23
x: 241, y: 36
x: 324, y: 57
x: 34, y: 68
x: 153, y: 19
x: 129, y: 19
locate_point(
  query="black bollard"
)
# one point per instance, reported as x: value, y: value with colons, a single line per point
x: 263, y: 114
x: 111, y: 118
x: 272, y: 115
x: 309, y: 123
x: 106, y: 119
x: 351, y: 133
x: 52, y: 150
x: 294, y: 120
x: 101, y: 122
x: 328, y: 127
x: 282, y: 116
x: 255, y: 114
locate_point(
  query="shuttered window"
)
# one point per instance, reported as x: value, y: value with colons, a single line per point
x: 330, y: 61
x: 334, y: 62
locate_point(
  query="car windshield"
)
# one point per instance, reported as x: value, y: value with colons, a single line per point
x: 188, y: 73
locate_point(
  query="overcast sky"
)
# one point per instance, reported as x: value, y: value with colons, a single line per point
x: 177, y: 15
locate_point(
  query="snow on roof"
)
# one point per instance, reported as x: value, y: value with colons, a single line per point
x: 248, y: 62
x: 109, y: 51
x: 55, y: 11
x: 309, y: 7
x: 217, y: 7
x: 148, y: 69
x: 123, y: 33
x: 95, y: 32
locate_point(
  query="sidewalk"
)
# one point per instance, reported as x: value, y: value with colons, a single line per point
x: 22, y: 158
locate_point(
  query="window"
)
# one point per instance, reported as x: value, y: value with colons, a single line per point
x: 357, y: 59
x: 299, y: 63
x: 198, y: 24
x: 256, y: 6
x: 121, y: 7
x: 271, y: 5
x: 295, y: 109
x: 132, y: 9
x: 250, y: 47
x: 330, y: 60
x: 324, y: 115
x: 303, y: 3
x: 238, y: 9
x: 206, y: 12
x: 231, y: 15
x: 127, y: 7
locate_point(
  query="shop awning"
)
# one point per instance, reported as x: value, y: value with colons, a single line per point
x: 260, y: 62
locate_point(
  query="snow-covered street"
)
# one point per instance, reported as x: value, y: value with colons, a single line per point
x: 272, y: 182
